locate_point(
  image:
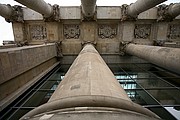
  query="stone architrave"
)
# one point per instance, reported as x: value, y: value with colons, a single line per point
x: 107, y: 31
x: 71, y: 31
x: 142, y: 31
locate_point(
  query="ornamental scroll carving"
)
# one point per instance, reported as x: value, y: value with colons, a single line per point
x: 173, y: 31
x: 71, y: 31
x: 38, y: 32
x: 107, y: 31
x: 142, y: 31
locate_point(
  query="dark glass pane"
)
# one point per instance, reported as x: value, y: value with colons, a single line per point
x: 141, y: 75
x: 152, y: 83
x: 144, y: 66
x: 166, y: 97
x: 19, y: 114
x: 141, y: 97
x: 37, y: 99
x: 56, y: 76
x: 49, y: 84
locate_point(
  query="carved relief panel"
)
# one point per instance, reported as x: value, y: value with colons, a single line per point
x: 173, y: 31
x: 38, y: 32
x: 71, y: 31
x: 107, y: 31
x: 142, y: 31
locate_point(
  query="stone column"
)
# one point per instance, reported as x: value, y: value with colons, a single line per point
x: 174, y: 9
x: 168, y: 58
x: 142, y: 5
x: 88, y: 7
x: 89, y: 88
x: 5, y: 11
x: 39, y: 6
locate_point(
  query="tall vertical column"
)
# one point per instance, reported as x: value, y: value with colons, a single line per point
x: 88, y: 7
x: 141, y: 6
x: 90, y: 90
x: 168, y: 58
x: 39, y: 6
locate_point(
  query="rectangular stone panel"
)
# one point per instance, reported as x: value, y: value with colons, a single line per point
x: 109, y: 12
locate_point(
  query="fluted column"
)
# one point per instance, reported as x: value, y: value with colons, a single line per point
x: 39, y: 6
x: 88, y: 7
x: 168, y: 58
x: 6, y: 11
x: 90, y: 86
x: 142, y: 5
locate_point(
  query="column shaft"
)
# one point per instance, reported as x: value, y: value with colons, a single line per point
x: 90, y: 83
x: 174, y: 10
x: 39, y: 6
x: 142, y: 5
x: 168, y: 58
x: 88, y: 7
x: 5, y: 11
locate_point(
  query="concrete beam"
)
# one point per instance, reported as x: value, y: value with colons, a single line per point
x: 39, y: 6
x: 174, y: 10
x: 88, y: 7
x: 6, y: 11
x: 89, y: 84
x: 142, y: 5
x: 168, y: 58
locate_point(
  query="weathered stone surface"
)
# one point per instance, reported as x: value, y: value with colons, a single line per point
x: 71, y: 31
x: 15, y: 61
x: 70, y: 12
x: 19, y: 32
x: 162, y: 31
x: 128, y: 31
x: 30, y: 14
x: 165, y: 57
x: 17, y: 85
x: 142, y: 31
x: 108, y: 12
x: 38, y: 32
x: 148, y: 14
x: 107, y: 31
x: 52, y: 31
x: 173, y: 31
x: 89, y: 32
